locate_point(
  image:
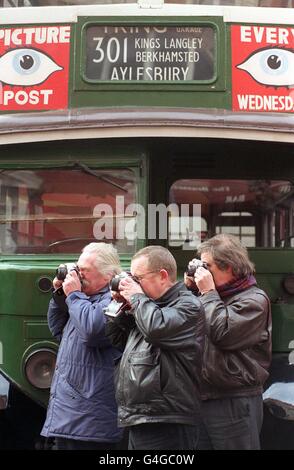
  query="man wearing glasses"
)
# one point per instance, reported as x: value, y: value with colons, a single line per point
x: 162, y: 337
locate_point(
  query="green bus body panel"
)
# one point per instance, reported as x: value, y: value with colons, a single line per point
x: 23, y: 322
x: 19, y: 292
x: 272, y: 266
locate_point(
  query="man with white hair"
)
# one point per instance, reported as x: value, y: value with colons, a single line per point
x: 82, y: 412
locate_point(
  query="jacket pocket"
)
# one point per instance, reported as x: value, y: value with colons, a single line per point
x: 142, y: 377
x: 229, y: 370
x: 90, y: 382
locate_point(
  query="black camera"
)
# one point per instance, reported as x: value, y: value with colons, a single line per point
x: 64, y: 269
x: 193, y: 265
x: 61, y: 272
x: 119, y: 304
x: 114, y: 284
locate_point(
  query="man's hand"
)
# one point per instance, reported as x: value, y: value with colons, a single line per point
x: 56, y: 283
x: 204, y: 280
x: 128, y: 287
x: 190, y: 282
x: 71, y: 283
x: 117, y: 297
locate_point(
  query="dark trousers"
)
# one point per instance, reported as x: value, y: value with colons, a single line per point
x: 62, y: 443
x: 231, y: 424
x: 163, y: 436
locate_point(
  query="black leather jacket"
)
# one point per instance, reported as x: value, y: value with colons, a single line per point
x: 159, y: 373
x: 237, y: 351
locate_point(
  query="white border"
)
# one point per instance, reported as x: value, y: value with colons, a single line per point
x: 70, y: 14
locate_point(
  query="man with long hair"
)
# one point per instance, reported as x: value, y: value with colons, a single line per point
x: 237, y: 350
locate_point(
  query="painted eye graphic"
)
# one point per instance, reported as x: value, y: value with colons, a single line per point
x: 270, y: 66
x: 26, y: 67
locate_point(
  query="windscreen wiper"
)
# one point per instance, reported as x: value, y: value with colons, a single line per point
x: 88, y: 170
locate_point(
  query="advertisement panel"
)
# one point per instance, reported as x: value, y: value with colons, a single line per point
x: 34, y: 68
x: 262, y: 68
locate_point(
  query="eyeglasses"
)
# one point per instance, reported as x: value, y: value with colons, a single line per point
x: 141, y: 277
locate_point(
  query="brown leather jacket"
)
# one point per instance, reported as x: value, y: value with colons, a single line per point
x: 237, y: 351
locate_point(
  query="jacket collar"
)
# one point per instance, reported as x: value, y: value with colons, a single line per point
x: 171, y: 294
x: 102, y: 291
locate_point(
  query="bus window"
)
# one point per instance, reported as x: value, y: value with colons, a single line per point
x: 239, y: 224
x: 259, y: 212
x: 61, y: 210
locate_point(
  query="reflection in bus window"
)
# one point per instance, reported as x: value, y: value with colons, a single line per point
x: 182, y: 230
x: 234, y: 223
x: 61, y: 210
x: 259, y: 212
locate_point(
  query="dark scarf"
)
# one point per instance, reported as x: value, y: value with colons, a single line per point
x: 235, y: 286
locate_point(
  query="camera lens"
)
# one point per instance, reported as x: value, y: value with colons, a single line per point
x: 191, y: 270
x: 61, y: 272
x: 114, y: 284
x: 194, y: 265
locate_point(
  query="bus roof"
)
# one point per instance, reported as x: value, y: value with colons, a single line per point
x: 70, y: 14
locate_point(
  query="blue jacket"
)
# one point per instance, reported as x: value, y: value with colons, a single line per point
x: 82, y: 400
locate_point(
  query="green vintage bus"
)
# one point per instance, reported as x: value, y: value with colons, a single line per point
x: 141, y: 123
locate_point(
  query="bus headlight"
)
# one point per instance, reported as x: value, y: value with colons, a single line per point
x: 288, y: 284
x: 39, y: 368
